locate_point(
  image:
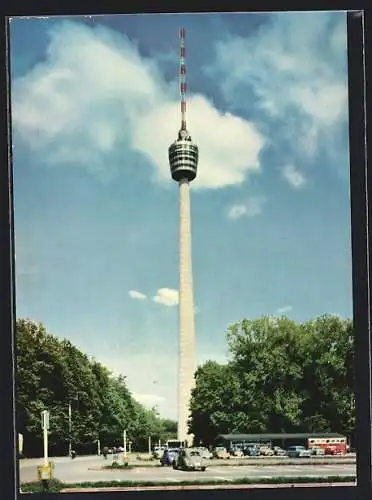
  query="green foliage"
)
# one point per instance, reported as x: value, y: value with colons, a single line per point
x: 53, y: 486
x: 282, y: 377
x: 51, y: 374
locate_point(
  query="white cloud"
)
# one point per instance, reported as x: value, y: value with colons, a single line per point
x: 294, y: 177
x: 294, y: 68
x: 97, y: 103
x: 284, y: 310
x: 234, y: 142
x: 167, y: 297
x: 148, y: 399
x: 250, y: 208
x: 134, y: 294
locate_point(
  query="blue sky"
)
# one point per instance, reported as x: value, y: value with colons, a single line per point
x: 95, y: 107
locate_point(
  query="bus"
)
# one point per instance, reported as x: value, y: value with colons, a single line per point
x: 331, y: 446
x: 174, y: 443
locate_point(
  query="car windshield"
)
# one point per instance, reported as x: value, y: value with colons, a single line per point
x: 194, y: 453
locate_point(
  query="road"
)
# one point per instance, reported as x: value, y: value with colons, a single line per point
x: 83, y: 469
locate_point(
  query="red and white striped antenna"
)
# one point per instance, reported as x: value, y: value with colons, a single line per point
x: 183, y: 86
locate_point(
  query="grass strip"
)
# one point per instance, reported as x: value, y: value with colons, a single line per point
x: 56, y: 486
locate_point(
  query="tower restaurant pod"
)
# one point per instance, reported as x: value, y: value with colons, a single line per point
x: 183, y: 157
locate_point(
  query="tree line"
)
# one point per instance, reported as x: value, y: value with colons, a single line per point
x: 52, y: 374
x: 281, y: 376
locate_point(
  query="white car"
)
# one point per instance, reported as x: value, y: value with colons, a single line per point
x: 237, y: 452
x: 298, y: 452
x: 316, y: 450
x: 205, y: 453
x: 279, y: 452
x: 266, y: 451
x: 158, y: 451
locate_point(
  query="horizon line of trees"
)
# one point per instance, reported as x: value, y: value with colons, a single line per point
x: 281, y: 376
x: 51, y: 374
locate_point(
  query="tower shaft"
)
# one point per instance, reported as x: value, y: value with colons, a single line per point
x: 187, y: 364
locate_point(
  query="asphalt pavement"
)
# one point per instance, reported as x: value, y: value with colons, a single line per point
x: 89, y: 469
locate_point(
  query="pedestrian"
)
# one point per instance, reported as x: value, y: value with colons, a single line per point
x: 105, y: 452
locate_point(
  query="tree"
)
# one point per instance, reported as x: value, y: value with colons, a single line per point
x: 282, y: 377
x: 328, y: 381
x: 53, y: 374
x: 214, y: 396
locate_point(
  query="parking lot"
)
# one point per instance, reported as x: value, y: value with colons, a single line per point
x: 90, y: 469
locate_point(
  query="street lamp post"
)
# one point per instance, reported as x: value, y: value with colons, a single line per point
x: 76, y: 398
x: 69, y: 429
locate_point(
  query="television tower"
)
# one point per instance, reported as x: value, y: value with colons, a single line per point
x: 183, y: 160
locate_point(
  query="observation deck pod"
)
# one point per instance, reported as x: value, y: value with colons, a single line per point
x: 183, y: 157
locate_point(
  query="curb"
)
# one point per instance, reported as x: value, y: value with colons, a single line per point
x: 206, y: 487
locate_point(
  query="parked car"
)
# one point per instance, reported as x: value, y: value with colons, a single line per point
x: 189, y: 459
x: 298, y: 452
x: 317, y: 451
x: 205, y: 453
x: 236, y: 452
x: 279, y: 452
x: 158, y: 451
x: 221, y: 452
x: 251, y: 450
x: 169, y: 455
x: 266, y: 451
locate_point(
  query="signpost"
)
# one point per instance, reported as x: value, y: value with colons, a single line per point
x: 150, y: 445
x: 45, y: 470
x: 125, y: 443
x: 45, y: 426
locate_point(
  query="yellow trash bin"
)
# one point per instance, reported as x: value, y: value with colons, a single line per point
x: 44, y: 472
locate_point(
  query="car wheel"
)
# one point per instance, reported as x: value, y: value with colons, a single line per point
x: 203, y: 469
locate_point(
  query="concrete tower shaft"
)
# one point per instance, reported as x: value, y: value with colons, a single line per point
x: 187, y: 354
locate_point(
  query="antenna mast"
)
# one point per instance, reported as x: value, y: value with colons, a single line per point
x: 183, y: 78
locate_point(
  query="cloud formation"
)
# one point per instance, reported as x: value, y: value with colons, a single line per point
x: 295, y: 68
x: 284, y: 310
x: 148, y: 399
x: 95, y: 102
x: 294, y: 177
x: 249, y: 208
x: 134, y: 294
x: 167, y: 297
